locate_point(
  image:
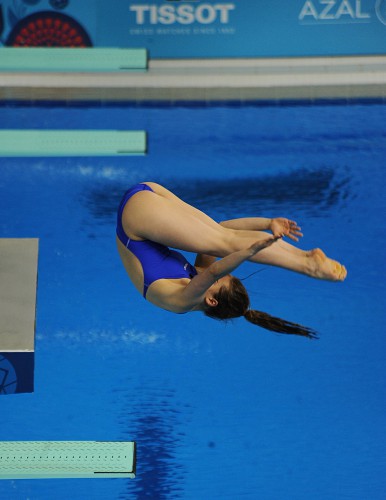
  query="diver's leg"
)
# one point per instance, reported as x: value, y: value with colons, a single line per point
x: 313, y: 263
x: 162, y: 191
x: 165, y: 220
x: 288, y: 247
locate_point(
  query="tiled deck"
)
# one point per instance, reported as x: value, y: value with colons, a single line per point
x: 208, y: 80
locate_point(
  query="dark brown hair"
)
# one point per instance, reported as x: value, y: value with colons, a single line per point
x: 233, y: 302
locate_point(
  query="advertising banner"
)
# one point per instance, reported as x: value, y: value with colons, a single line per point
x: 201, y: 29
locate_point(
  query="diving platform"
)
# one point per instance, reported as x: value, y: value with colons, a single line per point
x: 67, y: 459
x: 18, y: 285
x: 16, y: 142
x: 83, y: 60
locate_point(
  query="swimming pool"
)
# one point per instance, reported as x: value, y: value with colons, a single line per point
x: 217, y: 411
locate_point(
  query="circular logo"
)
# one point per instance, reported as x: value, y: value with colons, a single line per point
x: 8, y: 379
x: 48, y: 29
x: 380, y: 10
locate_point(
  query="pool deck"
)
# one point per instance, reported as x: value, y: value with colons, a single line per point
x: 211, y: 80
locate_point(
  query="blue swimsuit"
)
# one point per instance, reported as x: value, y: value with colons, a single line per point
x: 158, y: 261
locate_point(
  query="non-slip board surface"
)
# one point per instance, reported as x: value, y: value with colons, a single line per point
x: 67, y: 459
x: 72, y: 59
x: 18, y: 281
x: 71, y: 142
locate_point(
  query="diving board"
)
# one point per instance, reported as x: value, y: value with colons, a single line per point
x: 59, y: 59
x: 18, y: 282
x: 72, y: 142
x: 67, y: 459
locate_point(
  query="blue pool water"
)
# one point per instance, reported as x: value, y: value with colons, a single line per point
x: 218, y: 411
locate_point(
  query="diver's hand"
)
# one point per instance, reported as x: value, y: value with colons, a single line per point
x: 281, y: 227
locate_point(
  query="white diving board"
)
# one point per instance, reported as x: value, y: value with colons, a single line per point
x: 72, y: 142
x: 18, y: 283
x: 67, y: 459
x: 58, y: 59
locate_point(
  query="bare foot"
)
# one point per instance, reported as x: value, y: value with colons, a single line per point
x: 325, y: 268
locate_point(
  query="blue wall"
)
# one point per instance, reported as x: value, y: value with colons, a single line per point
x: 211, y: 28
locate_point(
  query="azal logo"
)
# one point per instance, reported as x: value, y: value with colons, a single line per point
x: 333, y: 10
x: 380, y: 9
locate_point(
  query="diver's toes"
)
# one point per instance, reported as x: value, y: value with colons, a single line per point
x: 339, y: 271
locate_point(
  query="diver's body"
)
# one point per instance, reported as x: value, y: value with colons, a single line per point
x: 151, y: 219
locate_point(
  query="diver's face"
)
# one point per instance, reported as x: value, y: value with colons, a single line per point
x: 211, y: 294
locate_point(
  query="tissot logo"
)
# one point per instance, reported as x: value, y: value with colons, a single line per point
x: 327, y: 11
x: 183, y: 13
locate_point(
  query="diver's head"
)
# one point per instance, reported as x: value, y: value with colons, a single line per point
x: 228, y: 298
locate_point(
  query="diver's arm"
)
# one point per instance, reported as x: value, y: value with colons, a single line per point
x: 279, y: 226
x: 198, y: 286
x: 248, y: 223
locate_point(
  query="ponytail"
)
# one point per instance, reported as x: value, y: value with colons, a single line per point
x: 278, y: 325
x: 233, y: 302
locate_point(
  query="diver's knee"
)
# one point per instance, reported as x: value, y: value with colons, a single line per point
x: 230, y: 241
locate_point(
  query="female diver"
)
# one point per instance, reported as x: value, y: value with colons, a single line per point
x: 151, y: 219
